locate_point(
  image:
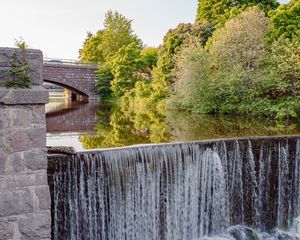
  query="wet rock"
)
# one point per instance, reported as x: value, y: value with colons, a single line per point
x: 281, y: 235
x: 239, y: 232
x: 61, y: 150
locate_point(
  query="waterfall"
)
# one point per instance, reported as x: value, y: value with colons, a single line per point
x: 180, y: 191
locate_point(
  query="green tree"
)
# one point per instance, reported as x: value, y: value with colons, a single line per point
x: 238, y: 74
x: 218, y: 12
x: 285, y: 21
x: 103, y: 47
x: 124, y: 67
x: 162, y: 73
x: 286, y: 54
x: 91, y: 51
x: 117, y: 33
x: 241, y: 40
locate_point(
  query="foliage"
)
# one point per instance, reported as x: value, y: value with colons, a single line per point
x: 104, y: 46
x: 241, y: 40
x: 125, y: 64
x: 18, y: 74
x: 131, y: 65
x: 218, y: 12
x: 285, y: 21
x: 91, y: 51
x: 238, y: 74
x: 286, y: 54
x: 174, y: 40
x: 117, y: 33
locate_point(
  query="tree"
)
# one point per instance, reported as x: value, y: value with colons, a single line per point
x: 91, y: 51
x: 286, y: 53
x: 174, y: 40
x: 285, y: 21
x: 241, y: 41
x: 124, y: 67
x: 218, y: 12
x: 103, y: 47
x: 117, y: 33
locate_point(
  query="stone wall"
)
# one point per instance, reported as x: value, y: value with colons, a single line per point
x: 24, y: 191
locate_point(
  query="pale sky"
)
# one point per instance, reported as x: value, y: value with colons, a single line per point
x: 59, y: 27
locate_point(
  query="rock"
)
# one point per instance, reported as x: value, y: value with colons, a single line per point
x: 61, y: 150
x: 239, y: 232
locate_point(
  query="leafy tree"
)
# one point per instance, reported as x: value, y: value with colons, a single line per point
x: 174, y: 40
x: 241, y: 41
x: 149, y: 57
x: 117, y: 33
x: 125, y: 64
x: 286, y: 53
x: 285, y: 21
x: 91, y: 51
x: 104, y: 46
x: 131, y: 65
x: 238, y: 74
x: 218, y: 12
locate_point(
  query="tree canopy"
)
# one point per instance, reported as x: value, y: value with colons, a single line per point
x: 218, y: 12
x: 285, y: 21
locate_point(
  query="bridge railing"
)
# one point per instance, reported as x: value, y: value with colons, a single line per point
x: 61, y: 61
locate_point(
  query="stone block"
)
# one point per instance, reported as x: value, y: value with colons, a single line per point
x: 15, y: 202
x: 3, y: 162
x: 16, y: 163
x: 43, y: 195
x: 35, y: 159
x: 35, y: 61
x: 20, y: 96
x: 3, y: 74
x: 35, y: 227
x: 20, y: 141
x: 6, y: 229
x: 21, y: 117
x: 23, y: 180
x: 38, y: 114
x: 27, y: 139
x: 38, y: 137
x: 4, y: 118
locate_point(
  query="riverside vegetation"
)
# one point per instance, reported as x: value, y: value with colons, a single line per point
x: 238, y: 57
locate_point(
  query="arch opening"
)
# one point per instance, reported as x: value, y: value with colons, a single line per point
x: 69, y: 93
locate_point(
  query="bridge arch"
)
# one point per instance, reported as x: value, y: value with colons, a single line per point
x: 70, y: 88
x: 80, y: 79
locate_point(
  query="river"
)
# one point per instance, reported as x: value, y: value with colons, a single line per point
x: 105, y: 125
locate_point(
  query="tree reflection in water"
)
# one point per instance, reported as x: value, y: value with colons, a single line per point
x: 126, y: 126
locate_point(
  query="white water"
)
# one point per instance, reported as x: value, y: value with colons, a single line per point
x: 180, y: 192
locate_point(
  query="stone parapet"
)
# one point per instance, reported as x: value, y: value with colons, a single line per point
x: 24, y: 192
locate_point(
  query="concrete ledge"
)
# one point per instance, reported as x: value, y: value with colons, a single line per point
x: 33, y: 95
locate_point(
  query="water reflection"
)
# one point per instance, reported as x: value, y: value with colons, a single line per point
x: 103, y: 125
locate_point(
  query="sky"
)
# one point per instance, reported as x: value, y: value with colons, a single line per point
x: 59, y: 27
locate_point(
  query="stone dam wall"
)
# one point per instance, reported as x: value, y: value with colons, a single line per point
x: 24, y: 191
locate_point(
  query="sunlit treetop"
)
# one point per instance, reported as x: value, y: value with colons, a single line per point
x: 218, y: 12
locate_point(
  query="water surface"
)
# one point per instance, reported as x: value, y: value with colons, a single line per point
x: 103, y: 125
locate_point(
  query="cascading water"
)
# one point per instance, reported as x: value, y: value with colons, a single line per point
x: 205, y: 190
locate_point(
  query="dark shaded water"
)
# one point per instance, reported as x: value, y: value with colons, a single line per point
x: 200, y: 190
x: 94, y: 125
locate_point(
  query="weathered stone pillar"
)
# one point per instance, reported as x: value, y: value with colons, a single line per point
x: 24, y: 191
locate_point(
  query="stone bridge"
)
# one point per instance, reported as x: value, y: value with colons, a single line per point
x: 78, y: 78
